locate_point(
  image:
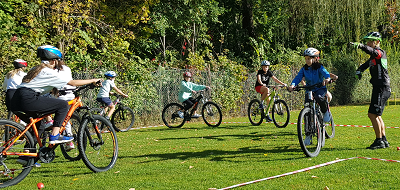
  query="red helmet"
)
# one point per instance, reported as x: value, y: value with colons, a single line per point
x: 187, y: 74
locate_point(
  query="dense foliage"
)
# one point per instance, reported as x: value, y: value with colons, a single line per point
x: 138, y: 37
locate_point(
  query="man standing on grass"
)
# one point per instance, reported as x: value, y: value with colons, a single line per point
x: 378, y: 67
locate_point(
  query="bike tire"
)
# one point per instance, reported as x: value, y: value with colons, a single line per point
x: 254, y: 113
x: 280, y: 114
x: 306, y: 128
x: 97, y: 143
x: 16, y: 172
x: 330, y: 129
x: 73, y: 155
x: 170, y: 115
x: 123, y: 119
x: 97, y: 111
x: 211, y: 114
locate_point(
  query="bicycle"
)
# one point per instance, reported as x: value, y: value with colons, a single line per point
x: 280, y: 110
x: 95, y: 136
x: 311, y: 130
x: 123, y: 117
x: 174, y: 115
x: 75, y: 121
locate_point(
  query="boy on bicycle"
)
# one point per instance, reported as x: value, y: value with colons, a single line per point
x: 262, y: 82
x: 378, y: 67
x: 314, y: 73
x: 105, y: 90
x: 186, y: 90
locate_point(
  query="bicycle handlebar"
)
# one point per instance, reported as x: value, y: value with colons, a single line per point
x: 310, y: 87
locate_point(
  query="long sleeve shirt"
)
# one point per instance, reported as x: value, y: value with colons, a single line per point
x: 186, y: 88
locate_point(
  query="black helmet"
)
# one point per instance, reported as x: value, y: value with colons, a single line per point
x: 48, y: 52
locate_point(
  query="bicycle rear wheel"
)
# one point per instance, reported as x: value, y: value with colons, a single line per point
x: 97, y: 143
x: 330, y: 129
x: 255, y: 113
x: 173, y: 115
x: 280, y: 114
x: 211, y: 114
x: 123, y: 119
x: 11, y: 171
x: 309, y: 134
x: 73, y: 154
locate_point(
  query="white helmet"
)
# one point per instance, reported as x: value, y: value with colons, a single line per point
x: 110, y: 74
x: 312, y: 52
x: 265, y: 63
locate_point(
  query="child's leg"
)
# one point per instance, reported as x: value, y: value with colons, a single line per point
x: 112, y: 109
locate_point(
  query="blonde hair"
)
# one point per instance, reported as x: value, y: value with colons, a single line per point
x: 11, y: 73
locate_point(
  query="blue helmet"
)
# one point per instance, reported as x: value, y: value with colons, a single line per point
x: 48, y: 52
x: 265, y: 63
x: 110, y: 74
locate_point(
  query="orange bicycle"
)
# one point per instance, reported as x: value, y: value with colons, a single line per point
x: 96, y: 139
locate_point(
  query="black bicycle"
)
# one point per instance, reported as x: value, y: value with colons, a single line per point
x: 174, y: 115
x: 311, y: 129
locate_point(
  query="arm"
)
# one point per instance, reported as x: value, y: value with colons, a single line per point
x: 82, y: 82
x: 278, y: 81
x: 259, y: 80
x: 120, y: 92
x: 333, y: 76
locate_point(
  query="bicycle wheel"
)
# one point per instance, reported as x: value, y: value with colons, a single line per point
x: 72, y: 154
x: 280, y: 114
x: 308, y: 133
x: 254, y: 112
x: 123, y: 119
x: 11, y: 171
x: 97, y: 143
x: 211, y: 114
x: 173, y: 115
x: 330, y: 129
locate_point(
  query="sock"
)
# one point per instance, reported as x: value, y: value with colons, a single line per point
x: 379, y: 139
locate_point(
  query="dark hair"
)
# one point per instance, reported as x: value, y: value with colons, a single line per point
x: 315, y: 65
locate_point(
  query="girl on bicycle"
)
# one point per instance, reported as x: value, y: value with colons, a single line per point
x: 104, y: 93
x: 314, y: 73
x: 13, y: 79
x: 186, y: 90
x: 378, y: 67
x: 42, y: 79
x: 262, y: 82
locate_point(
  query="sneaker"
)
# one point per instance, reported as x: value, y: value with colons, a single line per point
x: 327, y: 117
x: 196, y: 116
x: 59, y: 139
x: 307, y: 141
x: 69, y: 146
x: 377, y: 144
x: 108, y: 118
x: 387, y: 144
x: 180, y: 114
x: 48, y: 124
x: 268, y: 119
x: 23, y: 160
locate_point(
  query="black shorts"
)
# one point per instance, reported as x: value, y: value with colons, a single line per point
x: 380, y: 94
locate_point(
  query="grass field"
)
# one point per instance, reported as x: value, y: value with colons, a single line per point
x: 199, y: 157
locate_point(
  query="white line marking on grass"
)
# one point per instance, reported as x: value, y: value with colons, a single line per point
x: 305, y: 169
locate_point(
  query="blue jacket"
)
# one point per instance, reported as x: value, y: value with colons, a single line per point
x: 185, y: 90
x: 311, y: 76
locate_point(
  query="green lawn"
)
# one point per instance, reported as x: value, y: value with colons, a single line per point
x: 199, y: 157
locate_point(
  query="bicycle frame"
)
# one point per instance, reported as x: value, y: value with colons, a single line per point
x: 272, y: 96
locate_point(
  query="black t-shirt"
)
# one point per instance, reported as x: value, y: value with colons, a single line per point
x: 264, y: 77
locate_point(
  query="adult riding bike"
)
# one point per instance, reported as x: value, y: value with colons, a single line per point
x: 123, y: 117
x: 280, y: 110
x: 311, y: 129
x: 97, y: 143
x: 70, y: 154
x: 174, y: 115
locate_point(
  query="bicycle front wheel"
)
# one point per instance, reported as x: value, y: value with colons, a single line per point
x: 309, y: 133
x: 255, y: 113
x: 123, y: 119
x: 211, y: 114
x: 13, y: 169
x: 280, y: 114
x: 330, y: 129
x: 97, y: 143
x: 68, y: 150
x: 173, y: 115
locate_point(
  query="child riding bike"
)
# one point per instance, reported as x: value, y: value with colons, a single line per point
x: 104, y: 93
x: 262, y: 82
x: 313, y: 73
x: 186, y: 90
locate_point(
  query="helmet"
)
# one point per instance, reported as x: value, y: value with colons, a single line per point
x: 312, y: 52
x: 110, y: 74
x: 187, y: 74
x: 265, y: 63
x: 376, y: 36
x: 19, y: 63
x: 48, y: 52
